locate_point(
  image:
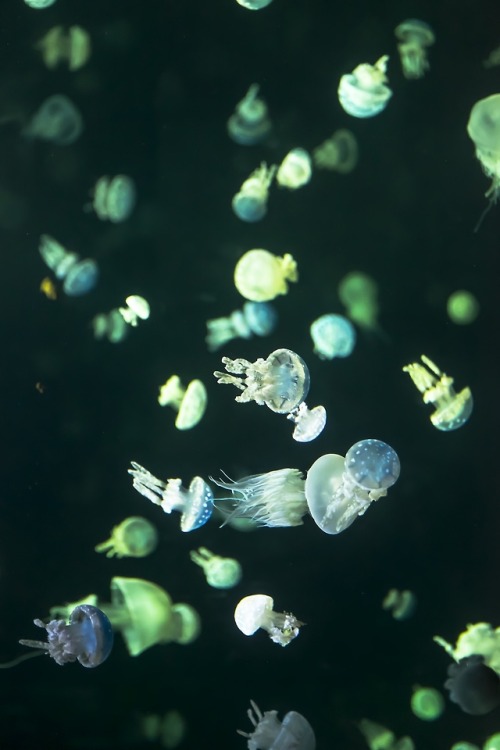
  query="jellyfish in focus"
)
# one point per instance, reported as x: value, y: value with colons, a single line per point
x: 256, y: 318
x: 65, y: 45
x: 114, y: 198
x: 364, y: 93
x: 427, y: 703
x: 256, y: 611
x: 87, y: 637
x: 133, y: 537
x: 195, y: 504
x: 250, y: 202
x: 260, y: 276
x: 401, y: 604
x: 452, y: 410
x: 462, y: 307
x: 57, y: 120
x: 80, y: 276
x: 415, y: 36
x: 249, y: 124
x: 339, y: 490
x: 295, y: 170
x: 189, y: 403
x: 483, y: 128
x: 339, y: 153
x: 333, y: 336
x: 358, y: 292
x: 293, y: 733
x: 220, y: 572
x: 473, y: 685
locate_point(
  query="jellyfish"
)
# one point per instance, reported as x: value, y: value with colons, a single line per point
x: 254, y: 4
x: 80, y: 276
x: 260, y: 276
x: 462, y: 307
x: 114, y: 198
x: 483, y: 128
x: 195, y: 504
x: 189, y: 403
x: 427, y: 703
x: 295, y: 170
x: 133, y: 537
x: 415, y: 36
x: 250, y: 123
x: 492, y: 743
x: 452, y: 410
x: 57, y: 120
x: 293, y: 733
x: 110, y: 325
x: 259, y: 318
x: 39, y: 4
x: 363, y: 93
x: 339, y: 153
x: 256, y: 611
x: 473, y: 685
x: 71, y: 45
x: 477, y: 639
x: 339, y: 490
x: 358, y: 292
x: 220, y: 572
x: 401, y: 604
x: 169, y: 729
x: 250, y: 202
x: 333, y: 336
x: 86, y: 638
x: 136, y: 308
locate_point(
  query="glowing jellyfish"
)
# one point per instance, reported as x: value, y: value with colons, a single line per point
x: 195, y: 504
x: 427, y: 703
x: 136, y: 308
x: 57, y: 120
x: 364, y: 93
x: 452, y: 410
x: 250, y: 123
x: 401, y: 604
x: 114, y: 198
x: 80, y: 276
x: 473, y: 686
x: 220, y: 572
x: 86, y: 638
x: 256, y: 611
x: 339, y: 490
x: 333, y: 336
x: 339, y: 153
x: 295, y: 170
x: 477, y: 639
x: 259, y: 318
x: 293, y: 733
x: 133, y: 537
x: 492, y: 743
x: 189, y: 403
x: 260, y: 276
x: 254, y: 4
x: 39, y: 4
x: 250, y: 202
x: 415, y: 36
x: 110, y: 325
x: 358, y: 292
x: 65, y: 45
x: 484, y: 130
x: 377, y: 736
x: 462, y: 307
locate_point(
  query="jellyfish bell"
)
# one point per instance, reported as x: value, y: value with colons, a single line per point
x: 473, y: 685
x: 364, y: 93
x: 293, y: 733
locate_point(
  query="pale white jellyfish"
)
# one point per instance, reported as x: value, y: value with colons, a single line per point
x: 415, y: 36
x: 249, y: 124
x: 114, y: 198
x: 260, y: 276
x: 295, y: 170
x: 293, y: 733
x: 364, y: 93
x: 256, y: 611
x: 39, y: 4
x: 189, y: 403
x: 220, y: 572
x: 250, y: 202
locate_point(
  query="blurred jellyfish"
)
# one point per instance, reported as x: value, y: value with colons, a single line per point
x: 260, y: 276
x: 333, y: 336
x: 254, y: 4
x: 295, y: 170
x: 259, y: 318
x: 415, y: 36
x: 477, y: 639
x: 293, y: 733
x: 250, y: 123
x: 256, y: 611
x: 364, y: 93
x: 379, y: 737
x: 462, y: 307
x: 189, y: 403
x: 169, y: 730
x: 114, y: 198
x: 401, y: 604
x: 39, y: 4
x: 70, y: 45
x: 250, y: 202
x: 133, y: 537
x: 492, y: 743
x: 57, y: 120
x: 473, y: 685
x: 80, y: 276
x: 136, y: 308
x: 359, y: 294
x: 483, y: 128
x: 220, y: 572
x: 427, y: 703
x: 339, y: 153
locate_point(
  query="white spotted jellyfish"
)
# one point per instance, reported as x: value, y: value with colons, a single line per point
x: 133, y: 537
x: 57, y: 121
x: 256, y: 611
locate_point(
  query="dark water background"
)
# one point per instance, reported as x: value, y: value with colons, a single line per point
x: 163, y: 79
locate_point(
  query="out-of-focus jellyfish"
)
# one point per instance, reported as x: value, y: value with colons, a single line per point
x: 259, y: 318
x: 70, y: 45
x: 333, y: 336
x: 169, y: 730
x: 401, y: 604
x: 338, y: 489
x: 256, y: 611
x: 254, y: 4
x: 493, y: 58
x: 273, y: 499
x: 220, y: 572
x: 464, y: 745
x: 110, y: 325
x: 249, y: 124
x: 492, y: 743
x: 280, y: 382
x: 473, y: 685
x: 427, y: 703
x: 415, y: 36
x: 39, y: 4
x: 250, y: 202
x: 293, y: 733
x: 195, y: 504
x: 57, y: 120
x: 462, y: 307
x: 379, y: 737
x: 260, y: 276
x: 133, y: 537
x: 452, y: 410
x: 477, y: 639
x: 483, y: 128
x: 295, y: 170
x: 87, y: 637
x: 364, y: 93
x: 339, y: 153
x: 136, y: 308
x: 114, y: 198
x: 80, y: 276
x: 359, y: 294
x: 189, y: 403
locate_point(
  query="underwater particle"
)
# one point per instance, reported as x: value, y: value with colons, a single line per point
x: 293, y: 733
x: 189, y: 403
x: 39, y: 4
x: 133, y: 537
x: 401, y: 604
x: 473, y: 685
x: 60, y: 45
x: 254, y: 4
x: 260, y: 276
x: 48, y: 288
x: 57, y: 120
x: 333, y: 336
x: 358, y: 292
x: 79, y: 276
x: 364, y: 93
x: 86, y: 638
x: 483, y: 129
x: 415, y: 36
x: 256, y: 611
x: 259, y: 318
x: 462, y: 307
x: 427, y: 703
x: 250, y: 202
x: 250, y: 123
x: 295, y: 170
x: 452, y: 410
x: 220, y: 572
x: 338, y: 153
x: 114, y: 198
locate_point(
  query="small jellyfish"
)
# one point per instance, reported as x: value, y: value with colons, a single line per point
x: 401, y: 604
x: 427, y: 703
x: 250, y: 202
x: 189, y: 403
x: 169, y: 730
x: 220, y: 572
x: 39, y: 4
x: 57, y: 120
x: 110, y: 325
x: 483, y: 128
x: 87, y: 637
x: 452, y: 410
x: 358, y: 292
x: 114, y: 198
x: 256, y: 611
x: 250, y: 123
x: 80, y: 276
x: 259, y: 318
x: 339, y: 153
x: 65, y: 45
x: 254, y: 4
x: 333, y: 336
x: 363, y: 93
x: 473, y: 685
x: 415, y: 36
x: 195, y: 504
x: 295, y: 170
x: 293, y: 733
x: 260, y: 276
x: 133, y: 537
x: 492, y: 743
x: 339, y: 490
x: 377, y: 736
x: 136, y: 308
x: 462, y: 307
